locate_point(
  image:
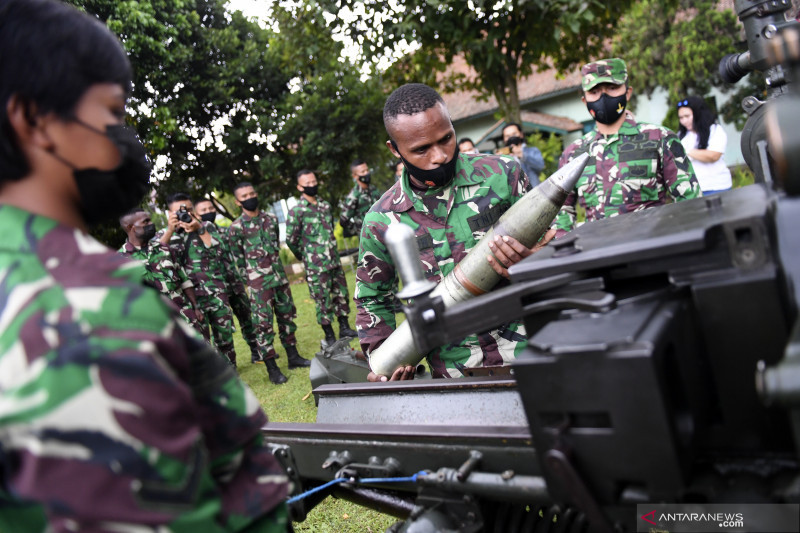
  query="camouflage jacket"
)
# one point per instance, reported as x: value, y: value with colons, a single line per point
x: 205, y: 265
x: 255, y: 246
x: 162, y: 272
x: 309, y: 235
x: 448, y: 223
x: 636, y: 168
x: 115, y: 417
x: 355, y: 206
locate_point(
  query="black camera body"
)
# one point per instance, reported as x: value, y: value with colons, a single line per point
x: 183, y: 215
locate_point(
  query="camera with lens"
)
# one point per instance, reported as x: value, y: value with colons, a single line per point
x: 183, y: 215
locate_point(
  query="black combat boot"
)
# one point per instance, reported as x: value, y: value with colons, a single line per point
x: 275, y: 374
x: 295, y: 360
x: 255, y: 356
x: 344, y: 328
x: 330, y: 338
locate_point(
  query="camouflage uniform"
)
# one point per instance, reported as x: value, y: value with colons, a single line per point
x: 206, y: 268
x: 355, y: 206
x: 448, y: 223
x: 166, y: 275
x: 633, y: 169
x: 638, y: 167
x: 237, y: 295
x: 255, y: 246
x: 116, y: 417
x: 309, y: 235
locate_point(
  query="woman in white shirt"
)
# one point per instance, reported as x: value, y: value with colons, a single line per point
x: 704, y: 141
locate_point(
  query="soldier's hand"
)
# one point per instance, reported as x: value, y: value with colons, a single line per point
x: 172, y: 221
x: 194, y: 225
x: 403, y: 373
x: 199, y: 314
x: 509, y: 251
x: 516, y: 150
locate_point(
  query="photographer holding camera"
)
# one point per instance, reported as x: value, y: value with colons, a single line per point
x: 197, y: 245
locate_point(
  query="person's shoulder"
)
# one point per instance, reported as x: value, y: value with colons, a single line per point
x: 391, y: 200
x: 655, y: 131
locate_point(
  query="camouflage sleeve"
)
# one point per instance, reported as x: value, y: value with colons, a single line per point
x: 349, y: 207
x: 677, y: 171
x: 153, y: 426
x: 294, y: 232
x: 180, y: 272
x: 565, y: 220
x: 375, y: 279
x: 235, y: 238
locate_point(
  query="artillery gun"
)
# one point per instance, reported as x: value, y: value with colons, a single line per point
x: 663, y: 366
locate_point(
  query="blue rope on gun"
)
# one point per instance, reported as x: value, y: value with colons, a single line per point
x: 409, y: 479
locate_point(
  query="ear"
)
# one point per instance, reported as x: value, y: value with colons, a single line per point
x: 299, y: 188
x: 629, y: 93
x: 391, y: 148
x: 27, y: 125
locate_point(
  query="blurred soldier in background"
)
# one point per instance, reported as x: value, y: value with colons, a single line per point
x: 360, y: 199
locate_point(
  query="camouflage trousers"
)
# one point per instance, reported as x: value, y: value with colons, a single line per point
x: 262, y: 303
x: 219, y: 318
x: 240, y: 305
x: 189, y: 315
x: 328, y: 289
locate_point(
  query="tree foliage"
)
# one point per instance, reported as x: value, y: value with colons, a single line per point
x: 677, y: 45
x: 502, y: 40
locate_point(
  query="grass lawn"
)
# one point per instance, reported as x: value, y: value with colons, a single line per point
x: 285, y: 403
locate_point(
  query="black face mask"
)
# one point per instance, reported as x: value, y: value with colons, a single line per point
x: 311, y: 191
x: 251, y: 204
x: 435, y: 178
x: 107, y: 194
x: 607, y: 109
x: 365, y: 179
x: 208, y: 217
x: 147, y: 233
x: 512, y: 141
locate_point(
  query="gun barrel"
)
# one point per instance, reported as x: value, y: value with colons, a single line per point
x: 526, y: 221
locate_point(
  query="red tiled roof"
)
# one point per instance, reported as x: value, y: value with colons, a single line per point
x: 465, y: 104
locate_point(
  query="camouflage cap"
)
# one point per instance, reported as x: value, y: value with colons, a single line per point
x: 611, y: 70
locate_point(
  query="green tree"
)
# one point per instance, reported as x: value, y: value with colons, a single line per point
x: 333, y: 115
x: 206, y: 86
x: 677, y: 45
x: 502, y: 40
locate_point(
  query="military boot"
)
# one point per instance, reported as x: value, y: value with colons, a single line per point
x: 330, y: 338
x: 344, y: 328
x: 295, y: 360
x: 275, y: 374
x: 255, y: 356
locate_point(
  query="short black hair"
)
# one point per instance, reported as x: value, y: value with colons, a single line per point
x: 241, y: 185
x: 409, y: 99
x: 178, y: 197
x: 463, y: 140
x: 123, y: 220
x: 51, y: 55
x: 356, y: 163
x: 302, y: 172
x: 203, y: 199
x: 517, y: 124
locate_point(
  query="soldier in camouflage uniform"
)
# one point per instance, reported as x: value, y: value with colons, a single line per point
x: 449, y: 199
x: 115, y: 416
x: 199, y: 246
x: 237, y: 291
x: 359, y: 200
x: 162, y: 271
x: 633, y: 165
x: 255, y: 243
x: 309, y: 235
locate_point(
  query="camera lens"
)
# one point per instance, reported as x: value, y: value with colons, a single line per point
x: 183, y: 216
